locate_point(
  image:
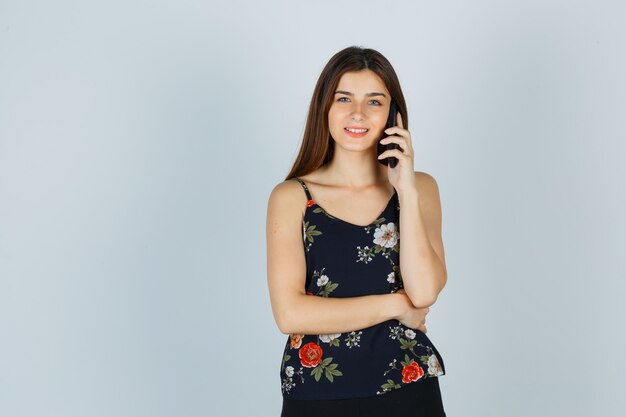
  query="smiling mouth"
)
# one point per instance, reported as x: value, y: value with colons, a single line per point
x: 349, y: 129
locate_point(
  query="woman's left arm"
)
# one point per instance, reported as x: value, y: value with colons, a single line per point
x: 422, y: 258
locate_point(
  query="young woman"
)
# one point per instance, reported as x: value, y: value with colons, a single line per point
x: 352, y: 300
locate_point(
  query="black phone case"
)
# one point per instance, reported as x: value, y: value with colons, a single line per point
x: 391, y: 121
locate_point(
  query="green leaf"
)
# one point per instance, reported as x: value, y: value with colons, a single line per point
x: 317, y: 372
x: 329, y: 376
x: 326, y: 361
x: 332, y: 366
x: 336, y: 372
x: 318, y: 375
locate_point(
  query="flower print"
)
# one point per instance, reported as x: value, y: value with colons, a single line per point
x: 329, y: 338
x: 288, y: 382
x: 309, y: 232
x: 411, y: 369
x: 310, y: 355
x: 386, y: 241
x: 395, y: 279
x: 386, y: 235
x: 353, y: 339
x: 412, y: 372
x: 434, y: 367
x: 309, y: 293
x: 319, y: 209
x: 321, y: 281
x: 296, y: 340
x: 325, y: 284
x: 287, y: 385
x: 396, y: 332
x: 364, y: 254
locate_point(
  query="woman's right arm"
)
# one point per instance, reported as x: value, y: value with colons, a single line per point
x: 294, y: 311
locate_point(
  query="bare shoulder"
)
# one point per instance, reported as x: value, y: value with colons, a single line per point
x: 430, y: 206
x: 286, y: 206
x: 286, y: 263
x: 426, y: 182
x: 287, y: 196
x: 428, y: 189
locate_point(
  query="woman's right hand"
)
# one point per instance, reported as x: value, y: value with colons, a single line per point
x: 412, y: 317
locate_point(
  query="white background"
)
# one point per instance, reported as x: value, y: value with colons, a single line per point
x: 139, y: 142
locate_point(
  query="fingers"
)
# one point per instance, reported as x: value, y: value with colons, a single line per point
x: 399, y: 120
x: 402, y: 142
x: 394, y: 152
x: 398, y: 135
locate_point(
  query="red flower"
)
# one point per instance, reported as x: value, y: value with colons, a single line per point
x: 309, y: 203
x: 309, y: 293
x: 412, y: 372
x: 310, y: 355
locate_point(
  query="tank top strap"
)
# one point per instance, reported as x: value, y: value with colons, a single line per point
x: 306, y: 189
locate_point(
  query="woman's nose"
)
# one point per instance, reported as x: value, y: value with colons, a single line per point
x: 357, y: 112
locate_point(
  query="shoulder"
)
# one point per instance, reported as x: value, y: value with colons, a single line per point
x: 425, y: 182
x: 287, y: 197
x: 427, y: 187
x: 424, y: 178
x: 288, y: 190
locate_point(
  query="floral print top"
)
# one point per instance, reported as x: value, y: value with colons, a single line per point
x: 347, y: 260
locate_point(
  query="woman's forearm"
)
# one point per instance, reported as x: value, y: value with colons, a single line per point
x: 308, y: 314
x: 423, y: 273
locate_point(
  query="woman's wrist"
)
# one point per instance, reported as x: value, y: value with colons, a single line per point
x: 395, y: 306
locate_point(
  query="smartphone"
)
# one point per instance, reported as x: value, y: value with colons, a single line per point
x: 391, y: 121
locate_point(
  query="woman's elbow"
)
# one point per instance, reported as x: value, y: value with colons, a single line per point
x: 422, y: 300
x: 284, y: 329
x: 283, y: 322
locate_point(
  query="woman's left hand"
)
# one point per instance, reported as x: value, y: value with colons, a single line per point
x: 402, y: 176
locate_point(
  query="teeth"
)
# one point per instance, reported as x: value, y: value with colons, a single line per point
x: 356, y: 130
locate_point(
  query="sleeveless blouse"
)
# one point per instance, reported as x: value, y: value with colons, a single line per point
x: 348, y: 260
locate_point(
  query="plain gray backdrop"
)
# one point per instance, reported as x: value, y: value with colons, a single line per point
x: 139, y: 142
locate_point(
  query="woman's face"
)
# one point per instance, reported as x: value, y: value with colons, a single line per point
x: 361, y: 101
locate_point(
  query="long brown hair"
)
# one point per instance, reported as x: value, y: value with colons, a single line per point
x: 317, y: 146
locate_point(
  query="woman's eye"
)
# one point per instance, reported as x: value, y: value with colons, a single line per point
x: 375, y: 101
